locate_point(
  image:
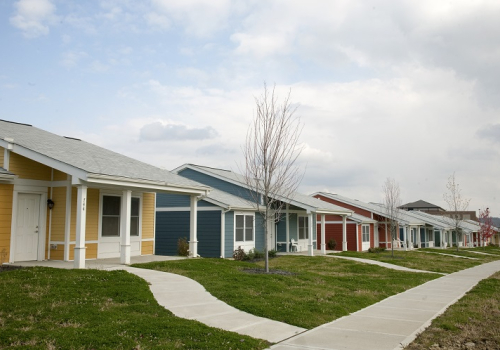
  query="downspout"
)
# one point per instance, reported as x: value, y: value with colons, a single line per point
x: 223, y: 232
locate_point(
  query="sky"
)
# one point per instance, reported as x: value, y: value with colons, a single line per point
x: 408, y: 90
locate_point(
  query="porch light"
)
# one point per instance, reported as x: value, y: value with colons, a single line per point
x: 50, y: 203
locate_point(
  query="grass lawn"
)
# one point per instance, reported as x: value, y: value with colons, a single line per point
x: 473, y: 319
x: 319, y: 290
x: 426, y: 261
x: 43, y: 308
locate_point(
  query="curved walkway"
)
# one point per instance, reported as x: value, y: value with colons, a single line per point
x: 395, y: 321
x: 380, y: 263
x: 187, y: 298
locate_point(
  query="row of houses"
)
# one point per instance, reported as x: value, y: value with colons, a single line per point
x: 65, y: 199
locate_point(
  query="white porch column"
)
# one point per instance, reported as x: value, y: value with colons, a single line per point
x: 323, y: 243
x: 405, y: 236
x: 441, y: 236
x: 376, y: 238
x: 310, y: 229
x: 81, y: 219
x: 287, y: 221
x: 193, y: 228
x: 125, y: 226
x: 344, y: 233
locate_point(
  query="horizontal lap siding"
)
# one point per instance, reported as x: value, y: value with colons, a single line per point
x: 28, y: 169
x: 6, y: 195
x: 229, y: 234
x: 148, y: 216
x: 344, y: 205
x: 259, y: 232
x: 147, y: 248
x: 168, y: 200
x: 335, y: 231
x: 209, y: 234
x: 170, y: 226
x: 222, y: 185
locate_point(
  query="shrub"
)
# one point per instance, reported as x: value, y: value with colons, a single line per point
x: 182, y: 246
x: 376, y: 250
x: 271, y: 253
x: 239, y: 254
x: 332, y: 244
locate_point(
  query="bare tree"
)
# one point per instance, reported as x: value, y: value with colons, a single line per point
x: 456, y: 204
x: 392, y: 201
x: 270, y: 152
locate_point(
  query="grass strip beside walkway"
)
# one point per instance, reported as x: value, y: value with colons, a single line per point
x: 44, y: 308
x: 471, y: 323
x: 310, y: 292
x: 428, y: 262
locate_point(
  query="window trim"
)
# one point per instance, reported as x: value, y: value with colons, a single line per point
x: 102, y: 194
x: 363, y: 226
x: 306, y: 227
x: 244, y: 227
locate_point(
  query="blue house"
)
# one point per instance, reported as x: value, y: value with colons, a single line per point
x: 228, y: 218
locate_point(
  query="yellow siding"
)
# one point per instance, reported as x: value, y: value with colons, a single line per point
x: 71, y: 252
x: 58, y: 214
x: 58, y: 253
x: 92, y: 225
x: 1, y: 156
x: 147, y: 248
x: 60, y: 176
x: 6, y: 194
x: 28, y: 169
x: 91, y: 251
x: 148, y: 215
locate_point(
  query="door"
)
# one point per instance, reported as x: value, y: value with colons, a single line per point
x: 27, y: 227
x: 303, y: 225
x: 365, y: 236
x: 271, y: 235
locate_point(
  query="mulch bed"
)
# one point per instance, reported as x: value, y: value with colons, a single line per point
x: 5, y: 268
x: 271, y: 272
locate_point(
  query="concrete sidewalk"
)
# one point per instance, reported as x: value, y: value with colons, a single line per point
x: 187, y: 298
x: 395, y: 321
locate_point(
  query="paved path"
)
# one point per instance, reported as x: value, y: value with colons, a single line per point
x: 187, y: 298
x: 380, y: 263
x: 453, y: 255
x: 394, y: 321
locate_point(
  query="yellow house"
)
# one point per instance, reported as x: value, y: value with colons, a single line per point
x: 66, y: 199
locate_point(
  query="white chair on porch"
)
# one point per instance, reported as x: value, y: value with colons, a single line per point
x: 294, y: 244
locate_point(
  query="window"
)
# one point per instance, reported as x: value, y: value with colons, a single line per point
x: 303, y: 227
x: 111, y: 216
x: 366, y: 233
x: 244, y: 228
x: 111, y: 210
x: 134, y: 217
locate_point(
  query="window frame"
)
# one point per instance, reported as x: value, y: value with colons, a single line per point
x: 135, y: 196
x: 363, y: 233
x: 306, y: 227
x: 245, y: 215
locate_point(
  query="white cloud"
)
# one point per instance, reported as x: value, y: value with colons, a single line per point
x: 167, y: 132
x: 33, y: 17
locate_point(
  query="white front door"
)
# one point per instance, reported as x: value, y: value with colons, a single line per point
x: 271, y: 235
x: 27, y: 227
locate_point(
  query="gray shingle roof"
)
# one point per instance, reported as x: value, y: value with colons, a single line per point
x: 421, y: 204
x: 297, y: 199
x: 88, y: 157
x: 229, y: 200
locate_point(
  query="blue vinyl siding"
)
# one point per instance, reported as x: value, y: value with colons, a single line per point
x: 222, y: 185
x: 167, y: 200
x: 259, y: 232
x: 209, y: 234
x: 294, y: 233
x: 172, y: 225
x: 281, y: 233
x: 229, y: 234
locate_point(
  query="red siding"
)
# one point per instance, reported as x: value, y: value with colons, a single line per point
x: 335, y: 231
x: 344, y: 205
